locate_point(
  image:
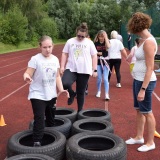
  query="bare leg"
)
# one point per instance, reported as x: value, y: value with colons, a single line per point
x: 140, y: 120
x: 150, y: 121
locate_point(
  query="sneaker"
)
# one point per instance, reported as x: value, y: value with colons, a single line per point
x: 71, y: 99
x: 134, y: 141
x: 37, y: 144
x: 107, y: 96
x: 157, y: 70
x: 98, y: 94
x: 118, y: 85
x: 86, y: 92
x: 146, y: 148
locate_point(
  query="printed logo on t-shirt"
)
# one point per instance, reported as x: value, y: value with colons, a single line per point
x: 48, y: 74
x: 78, y: 50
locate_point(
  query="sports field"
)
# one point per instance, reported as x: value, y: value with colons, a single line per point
x: 17, y: 112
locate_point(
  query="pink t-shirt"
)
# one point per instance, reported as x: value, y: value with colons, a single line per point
x: 79, y: 55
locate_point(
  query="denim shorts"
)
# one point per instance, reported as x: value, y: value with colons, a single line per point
x: 144, y: 106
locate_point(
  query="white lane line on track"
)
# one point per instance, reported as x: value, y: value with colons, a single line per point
x: 15, y: 57
x: 156, y: 96
x: 12, y: 73
x: 13, y: 64
x: 13, y: 92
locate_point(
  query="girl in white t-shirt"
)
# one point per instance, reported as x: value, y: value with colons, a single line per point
x: 78, y: 62
x: 43, y: 76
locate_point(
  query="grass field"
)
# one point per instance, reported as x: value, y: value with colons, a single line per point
x: 5, y: 48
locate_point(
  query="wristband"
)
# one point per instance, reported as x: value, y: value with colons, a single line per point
x: 143, y: 88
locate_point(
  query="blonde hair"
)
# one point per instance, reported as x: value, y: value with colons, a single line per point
x: 96, y: 37
x: 114, y: 34
x: 43, y: 38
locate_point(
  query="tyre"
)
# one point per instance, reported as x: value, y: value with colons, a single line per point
x: 94, y: 113
x: 53, y: 144
x: 67, y: 113
x: 91, y: 146
x: 30, y: 157
x: 62, y: 125
x: 92, y: 125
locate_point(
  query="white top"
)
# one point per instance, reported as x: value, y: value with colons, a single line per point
x: 132, y: 56
x: 114, y: 52
x: 139, y: 69
x: 119, y: 37
x: 43, y: 85
x: 79, y: 55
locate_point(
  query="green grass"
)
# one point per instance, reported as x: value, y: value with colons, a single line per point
x: 6, y: 48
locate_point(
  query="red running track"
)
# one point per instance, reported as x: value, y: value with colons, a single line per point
x: 17, y: 111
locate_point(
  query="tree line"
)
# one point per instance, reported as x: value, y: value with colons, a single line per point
x: 27, y: 20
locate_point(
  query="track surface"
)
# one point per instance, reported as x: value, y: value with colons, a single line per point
x: 17, y: 112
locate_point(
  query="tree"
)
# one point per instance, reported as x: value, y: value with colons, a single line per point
x: 13, y: 26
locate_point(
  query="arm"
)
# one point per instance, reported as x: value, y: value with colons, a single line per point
x: 94, y: 64
x: 59, y: 84
x: 124, y: 53
x: 149, y: 49
x: 107, y: 43
x: 28, y: 75
x: 64, y: 58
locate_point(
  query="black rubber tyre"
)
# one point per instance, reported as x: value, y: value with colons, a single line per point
x: 91, y: 146
x: 62, y: 125
x: 30, y: 157
x: 53, y: 144
x: 92, y: 125
x: 67, y: 113
x: 98, y: 114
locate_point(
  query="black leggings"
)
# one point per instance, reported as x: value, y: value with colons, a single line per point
x: 81, y: 82
x: 116, y: 63
x: 44, y: 111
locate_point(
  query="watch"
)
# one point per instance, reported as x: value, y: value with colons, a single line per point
x: 143, y: 88
x: 95, y: 70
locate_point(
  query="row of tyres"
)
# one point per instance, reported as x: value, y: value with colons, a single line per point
x: 86, y: 135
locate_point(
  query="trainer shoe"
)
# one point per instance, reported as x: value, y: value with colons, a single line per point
x: 118, y: 85
x: 37, y: 144
x: 146, y: 148
x: 157, y: 70
x: 86, y: 92
x: 107, y: 96
x: 134, y: 141
x: 98, y: 94
x: 71, y: 99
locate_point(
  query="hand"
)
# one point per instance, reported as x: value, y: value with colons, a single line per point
x: 27, y: 78
x: 61, y: 70
x: 94, y: 74
x: 141, y: 95
x: 63, y: 91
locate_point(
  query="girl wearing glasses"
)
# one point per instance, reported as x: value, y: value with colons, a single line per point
x: 78, y: 62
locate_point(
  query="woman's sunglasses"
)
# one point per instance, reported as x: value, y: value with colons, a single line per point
x: 79, y: 36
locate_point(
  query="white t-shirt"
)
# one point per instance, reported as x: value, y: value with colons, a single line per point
x: 79, y: 55
x: 114, y: 52
x: 44, y: 78
x: 139, y: 69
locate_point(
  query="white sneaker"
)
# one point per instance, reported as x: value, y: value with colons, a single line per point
x: 134, y: 141
x: 98, y: 94
x: 146, y: 148
x: 107, y: 96
x: 118, y: 85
